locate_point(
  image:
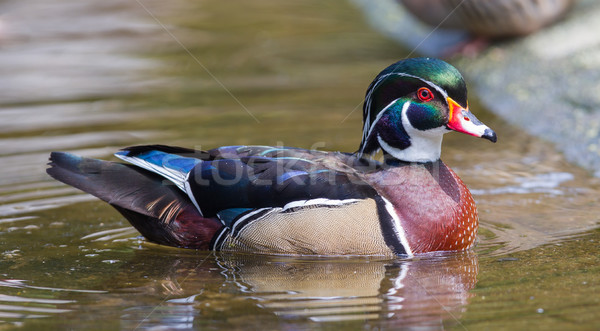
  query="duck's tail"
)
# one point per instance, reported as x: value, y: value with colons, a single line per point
x: 159, y: 210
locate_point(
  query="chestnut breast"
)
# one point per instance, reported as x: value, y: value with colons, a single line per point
x: 435, y: 208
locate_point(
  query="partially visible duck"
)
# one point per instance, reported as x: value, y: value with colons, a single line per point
x: 283, y: 200
x: 490, y: 19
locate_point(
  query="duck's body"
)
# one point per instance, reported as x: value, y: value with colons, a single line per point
x: 366, y: 222
x: 280, y: 200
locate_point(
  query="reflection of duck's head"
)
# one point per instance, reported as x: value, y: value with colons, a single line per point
x: 412, y: 292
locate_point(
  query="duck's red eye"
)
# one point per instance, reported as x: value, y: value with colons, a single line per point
x: 425, y: 94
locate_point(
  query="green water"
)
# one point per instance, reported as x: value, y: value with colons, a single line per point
x: 212, y: 73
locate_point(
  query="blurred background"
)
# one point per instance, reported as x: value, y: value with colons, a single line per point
x: 91, y: 77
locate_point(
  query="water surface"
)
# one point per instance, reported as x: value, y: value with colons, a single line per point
x: 211, y: 73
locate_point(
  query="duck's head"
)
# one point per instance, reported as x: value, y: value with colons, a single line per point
x: 410, y: 106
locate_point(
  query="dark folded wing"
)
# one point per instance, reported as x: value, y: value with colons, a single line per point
x: 262, y: 176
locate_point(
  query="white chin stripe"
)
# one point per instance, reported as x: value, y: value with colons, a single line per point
x: 425, y: 145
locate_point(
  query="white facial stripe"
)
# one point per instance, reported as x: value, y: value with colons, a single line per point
x: 368, y: 100
x: 404, y: 107
x: 384, y: 77
x: 439, y: 89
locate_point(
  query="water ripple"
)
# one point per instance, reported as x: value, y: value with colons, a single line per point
x: 15, y: 308
x: 20, y: 283
x: 547, y: 183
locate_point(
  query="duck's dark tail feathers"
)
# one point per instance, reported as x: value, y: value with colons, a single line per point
x: 156, y: 208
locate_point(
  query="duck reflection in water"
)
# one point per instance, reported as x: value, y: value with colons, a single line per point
x: 431, y: 291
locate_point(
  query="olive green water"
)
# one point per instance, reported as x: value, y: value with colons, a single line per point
x: 211, y: 73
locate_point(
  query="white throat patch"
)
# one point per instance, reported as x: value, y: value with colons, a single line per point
x: 425, y: 146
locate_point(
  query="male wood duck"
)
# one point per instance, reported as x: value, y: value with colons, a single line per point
x: 284, y: 200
